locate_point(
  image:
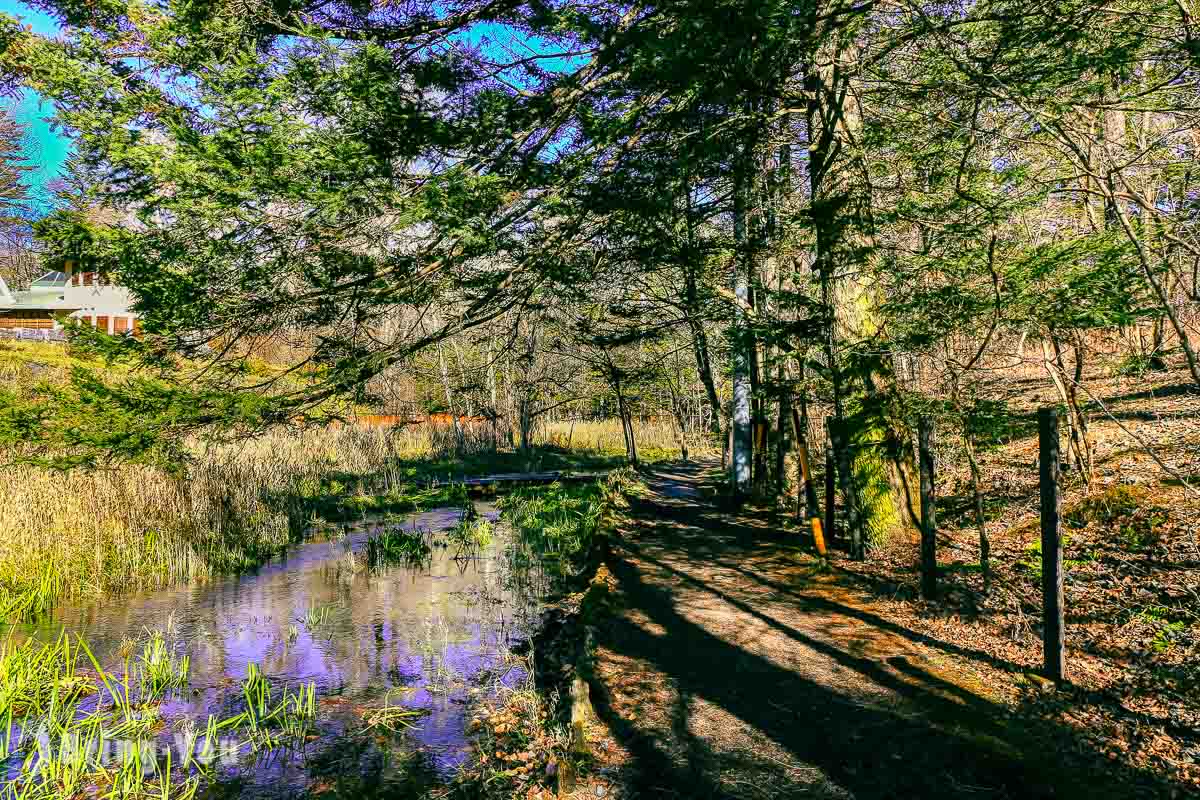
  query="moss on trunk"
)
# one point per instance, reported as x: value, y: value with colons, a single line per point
x: 885, y: 482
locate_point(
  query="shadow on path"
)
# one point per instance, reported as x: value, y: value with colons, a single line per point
x: 733, y: 669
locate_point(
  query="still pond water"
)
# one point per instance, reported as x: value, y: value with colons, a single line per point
x: 433, y: 637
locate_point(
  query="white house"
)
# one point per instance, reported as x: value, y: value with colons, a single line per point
x: 87, y: 296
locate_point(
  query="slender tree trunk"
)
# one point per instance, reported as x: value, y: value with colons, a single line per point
x: 495, y: 412
x: 985, y: 547
x: 1158, y: 344
x: 526, y: 414
x: 1069, y: 383
x: 626, y: 423
x: 695, y: 320
x: 458, y: 436
x: 781, y: 432
x: 743, y: 348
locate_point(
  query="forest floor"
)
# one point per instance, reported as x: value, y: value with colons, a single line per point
x: 734, y: 664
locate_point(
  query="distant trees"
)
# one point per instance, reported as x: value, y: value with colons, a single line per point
x: 18, y: 262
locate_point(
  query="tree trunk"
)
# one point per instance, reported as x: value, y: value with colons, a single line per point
x: 781, y: 433
x: 882, y: 472
x: 526, y: 423
x: 696, y: 322
x: 1157, y: 345
x: 985, y: 547
x: 743, y: 433
x: 458, y: 435
x: 626, y: 423
x: 1068, y: 383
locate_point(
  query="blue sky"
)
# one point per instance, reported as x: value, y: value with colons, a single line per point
x: 51, y: 149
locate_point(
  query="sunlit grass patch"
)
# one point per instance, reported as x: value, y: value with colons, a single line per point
x: 397, y: 545
x: 469, y: 535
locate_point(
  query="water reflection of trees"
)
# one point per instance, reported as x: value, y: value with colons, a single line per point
x: 445, y: 625
x: 352, y: 765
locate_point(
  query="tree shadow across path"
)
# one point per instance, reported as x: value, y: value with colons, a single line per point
x: 732, y: 668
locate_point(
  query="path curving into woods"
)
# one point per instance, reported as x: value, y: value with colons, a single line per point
x: 733, y: 665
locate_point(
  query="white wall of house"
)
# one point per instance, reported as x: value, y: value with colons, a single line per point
x: 94, y: 301
x: 104, y: 306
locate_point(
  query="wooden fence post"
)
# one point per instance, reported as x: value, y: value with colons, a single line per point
x: 1053, y: 646
x: 841, y: 448
x: 928, y: 512
x: 830, y: 495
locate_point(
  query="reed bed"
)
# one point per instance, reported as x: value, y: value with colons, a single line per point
x: 656, y: 439
x: 87, y: 534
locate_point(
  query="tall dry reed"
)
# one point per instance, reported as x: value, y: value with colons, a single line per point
x: 90, y: 533
x: 656, y: 439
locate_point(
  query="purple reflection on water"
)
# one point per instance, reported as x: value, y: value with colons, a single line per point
x: 430, y: 638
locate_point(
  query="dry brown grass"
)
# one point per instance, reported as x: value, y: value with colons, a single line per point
x: 91, y: 533
x: 656, y: 439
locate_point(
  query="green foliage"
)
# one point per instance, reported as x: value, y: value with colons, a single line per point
x: 70, y: 235
x: 1125, y: 510
x: 160, y: 669
x: 1082, y: 283
x: 470, y: 534
x: 91, y: 420
x: 399, y: 546
x: 1168, y: 626
x: 1135, y: 365
x: 561, y: 522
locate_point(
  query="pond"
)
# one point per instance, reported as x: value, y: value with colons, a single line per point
x: 431, y: 635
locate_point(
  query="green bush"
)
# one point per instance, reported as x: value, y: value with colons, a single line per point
x: 1126, y: 510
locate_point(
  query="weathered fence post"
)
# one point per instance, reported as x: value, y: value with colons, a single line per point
x: 830, y: 495
x: 841, y: 450
x: 928, y: 512
x: 1053, y: 651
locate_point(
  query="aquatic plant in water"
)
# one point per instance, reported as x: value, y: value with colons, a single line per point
x: 160, y: 669
x: 398, y: 546
x: 270, y: 722
x: 470, y: 535
x: 63, y: 739
x: 316, y: 616
x: 63, y: 722
x: 390, y: 717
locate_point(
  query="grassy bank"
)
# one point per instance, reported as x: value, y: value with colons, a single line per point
x: 526, y: 742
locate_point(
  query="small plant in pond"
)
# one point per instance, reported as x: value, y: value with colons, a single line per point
x: 470, y: 535
x: 398, y: 546
x: 160, y: 669
x: 392, y: 718
x: 271, y: 722
x: 317, y: 616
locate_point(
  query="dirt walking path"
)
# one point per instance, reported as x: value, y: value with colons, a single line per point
x: 734, y: 665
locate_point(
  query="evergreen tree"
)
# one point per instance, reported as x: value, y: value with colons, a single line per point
x: 16, y: 257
